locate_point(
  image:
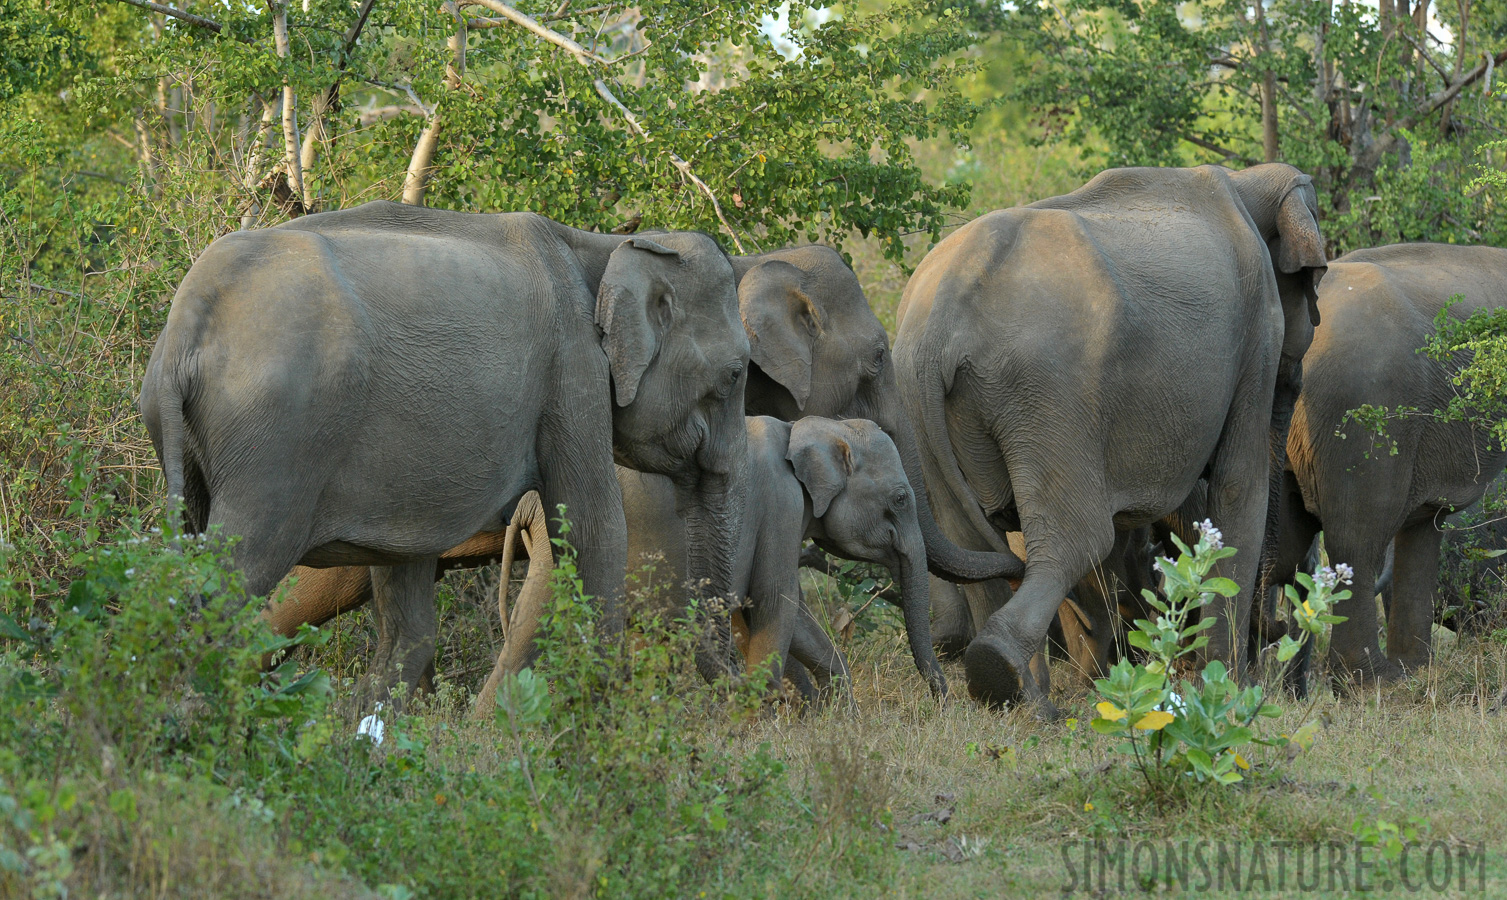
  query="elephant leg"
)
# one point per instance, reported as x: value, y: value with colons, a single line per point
x: 576, y: 471
x: 403, y: 605
x: 1354, y: 649
x: 812, y: 650
x: 770, y: 629
x: 317, y: 596
x: 1298, y: 530
x: 274, y: 535
x: 1000, y: 663
x: 951, y: 620
x: 1088, y: 621
x: 984, y: 600
x: 1239, y: 492
x: 1415, y: 574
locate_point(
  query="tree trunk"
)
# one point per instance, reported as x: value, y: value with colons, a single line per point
x: 416, y: 181
x: 292, y: 162
x: 1269, y: 145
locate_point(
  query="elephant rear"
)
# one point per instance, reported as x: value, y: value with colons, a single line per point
x: 343, y: 392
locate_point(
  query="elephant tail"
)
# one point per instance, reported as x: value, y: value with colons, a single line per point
x: 167, y: 409
x: 932, y: 383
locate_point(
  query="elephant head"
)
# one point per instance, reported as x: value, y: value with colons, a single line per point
x: 818, y: 350
x: 678, y: 353
x: 863, y: 508
x: 1283, y: 207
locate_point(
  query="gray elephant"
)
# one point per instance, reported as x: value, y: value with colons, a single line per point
x: 1378, y: 308
x: 1076, y: 365
x: 373, y: 386
x: 839, y: 483
x: 816, y: 349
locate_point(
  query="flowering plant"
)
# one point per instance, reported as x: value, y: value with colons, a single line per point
x: 1195, y: 732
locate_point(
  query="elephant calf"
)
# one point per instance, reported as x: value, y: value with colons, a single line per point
x: 840, y: 483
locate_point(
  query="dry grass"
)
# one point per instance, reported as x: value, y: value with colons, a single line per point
x: 972, y: 802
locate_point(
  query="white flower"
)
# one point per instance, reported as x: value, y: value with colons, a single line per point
x: 1213, y: 535
x: 1326, y: 577
x: 130, y: 572
x: 371, y: 727
x: 1344, y: 573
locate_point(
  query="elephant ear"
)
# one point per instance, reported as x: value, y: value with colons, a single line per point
x: 1299, y: 244
x: 822, y: 461
x: 633, y: 325
x: 783, y: 324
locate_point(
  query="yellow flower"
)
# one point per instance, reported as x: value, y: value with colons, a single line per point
x: 1087, y: 806
x: 1111, y: 712
x: 1155, y: 720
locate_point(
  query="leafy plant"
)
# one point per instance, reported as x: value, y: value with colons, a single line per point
x: 1184, y: 730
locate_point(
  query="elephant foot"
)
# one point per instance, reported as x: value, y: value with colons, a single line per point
x: 394, y: 676
x: 1367, y: 668
x: 1002, y: 670
x: 1412, y: 662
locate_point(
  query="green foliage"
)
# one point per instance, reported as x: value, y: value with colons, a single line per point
x: 1475, y: 349
x: 1187, y: 730
x: 1163, y: 83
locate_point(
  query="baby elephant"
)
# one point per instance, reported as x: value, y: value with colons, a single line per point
x: 839, y: 483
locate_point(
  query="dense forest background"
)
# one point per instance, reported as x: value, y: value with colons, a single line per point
x: 132, y: 137
x: 133, y: 134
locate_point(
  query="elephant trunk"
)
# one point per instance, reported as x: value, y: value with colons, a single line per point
x: 944, y: 559
x: 714, y: 523
x: 915, y: 603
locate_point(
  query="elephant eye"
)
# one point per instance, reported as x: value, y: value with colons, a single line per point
x: 876, y: 361
x: 728, y: 380
x: 900, y: 499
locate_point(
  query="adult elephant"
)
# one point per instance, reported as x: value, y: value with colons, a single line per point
x: 1378, y: 308
x: 816, y: 349
x: 373, y: 386
x: 1077, y: 364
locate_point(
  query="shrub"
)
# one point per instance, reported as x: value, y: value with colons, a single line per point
x: 1190, y: 732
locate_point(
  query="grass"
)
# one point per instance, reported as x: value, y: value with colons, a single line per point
x: 913, y: 798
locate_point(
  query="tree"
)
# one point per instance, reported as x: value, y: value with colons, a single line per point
x: 600, y: 115
x: 1385, y: 113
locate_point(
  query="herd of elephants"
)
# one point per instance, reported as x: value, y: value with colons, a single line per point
x: 371, y: 396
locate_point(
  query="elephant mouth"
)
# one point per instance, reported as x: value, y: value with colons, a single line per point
x: 665, y: 452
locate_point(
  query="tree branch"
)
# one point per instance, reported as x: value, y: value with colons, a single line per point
x: 1371, y: 157
x: 207, y: 24
x: 584, y: 56
x: 1215, y: 148
x: 680, y: 164
x: 416, y: 180
x: 1443, y: 73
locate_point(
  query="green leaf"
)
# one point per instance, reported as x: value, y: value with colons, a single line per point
x: 1222, y: 586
